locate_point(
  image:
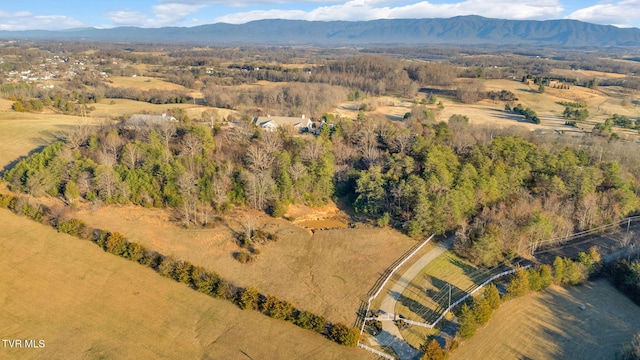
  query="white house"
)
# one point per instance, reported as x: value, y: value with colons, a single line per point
x: 272, y: 123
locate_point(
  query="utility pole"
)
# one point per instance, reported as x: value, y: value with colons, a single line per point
x: 449, y: 296
x: 628, y: 225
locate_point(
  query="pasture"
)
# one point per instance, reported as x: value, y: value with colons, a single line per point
x: 23, y: 132
x: 551, y: 325
x: 85, y: 303
x: 326, y: 272
x: 144, y: 83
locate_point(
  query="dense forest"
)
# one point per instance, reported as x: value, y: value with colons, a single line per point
x: 501, y: 191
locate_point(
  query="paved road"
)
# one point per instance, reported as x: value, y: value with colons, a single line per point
x: 390, y: 334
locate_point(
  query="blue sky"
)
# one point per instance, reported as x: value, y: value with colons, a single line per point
x: 65, y: 14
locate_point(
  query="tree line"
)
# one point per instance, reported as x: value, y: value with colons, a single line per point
x: 500, y: 192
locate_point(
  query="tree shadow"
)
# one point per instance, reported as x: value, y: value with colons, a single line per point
x: 400, y: 348
x: 15, y: 162
x: 440, y: 297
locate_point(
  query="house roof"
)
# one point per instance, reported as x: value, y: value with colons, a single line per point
x: 281, y: 121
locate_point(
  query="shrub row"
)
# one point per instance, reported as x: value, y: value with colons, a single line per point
x: 195, y: 277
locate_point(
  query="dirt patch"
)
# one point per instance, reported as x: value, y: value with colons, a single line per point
x: 323, y: 224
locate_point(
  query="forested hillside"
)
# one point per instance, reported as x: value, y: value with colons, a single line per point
x: 501, y: 190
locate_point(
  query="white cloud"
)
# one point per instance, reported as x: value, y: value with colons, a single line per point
x: 243, y: 17
x: 247, y: 3
x: 624, y: 13
x: 133, y: 18
x: 372, y: 9
x: 163, y: 15
x: 24, y: 20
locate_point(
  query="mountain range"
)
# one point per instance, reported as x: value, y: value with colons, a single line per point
x: 460, y: 30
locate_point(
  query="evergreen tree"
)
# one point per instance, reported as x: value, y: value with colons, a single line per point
x: 482, y: 310
x: 535, y: 282
x: 558, y: 270
x: 492, y: 295
x: 467, y: 320
x: 519, y: 283
x: 249, y: 298
x: 545, y: 276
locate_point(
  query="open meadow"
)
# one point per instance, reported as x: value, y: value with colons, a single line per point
x: 87, y: 304
x: 326, y: 272
x: 24, y: 132
x: 551, y: 325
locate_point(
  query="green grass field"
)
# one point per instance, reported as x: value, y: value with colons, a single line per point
x: 87, y: 304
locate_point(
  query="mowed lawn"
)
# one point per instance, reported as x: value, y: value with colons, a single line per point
x: 551, y: 325
x: 428, y: 294
x: 85, y: 303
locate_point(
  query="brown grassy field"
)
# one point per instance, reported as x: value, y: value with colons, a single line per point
x: 601, y: 103
x: 117, y: 107
x: 23, y: 132
x: 87, y: 304
x: 327, y: 272
x: 144, y: 83
x: 550, y: 325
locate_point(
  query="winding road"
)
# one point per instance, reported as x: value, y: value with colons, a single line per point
x: 390, y: 335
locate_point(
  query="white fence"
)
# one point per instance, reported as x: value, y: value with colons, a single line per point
x: 377, y: 352
x: 380, y: 287
x: 430, y: 326
x: 398, y: 266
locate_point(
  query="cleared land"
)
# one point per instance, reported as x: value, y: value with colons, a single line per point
x: 88, y: 304
x: 118, y: 107
x: 326, y: 272
x: 551, y: 325
x: 23, y: 132
x: 144, y: 83
x: 601, y: 103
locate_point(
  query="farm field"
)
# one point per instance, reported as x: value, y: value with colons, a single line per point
x: 122, y: 107
x: 85, y: 303
x: 551, y: 325
x: 144, y: 83
x: 326, y: 272
x: 24, y: 132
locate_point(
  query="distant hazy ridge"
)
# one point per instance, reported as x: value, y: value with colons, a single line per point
x: 462, y: 30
